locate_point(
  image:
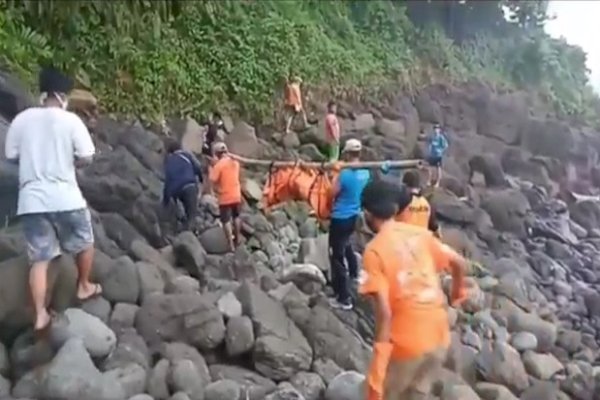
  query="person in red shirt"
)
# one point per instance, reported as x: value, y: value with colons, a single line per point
x: 400, y: 272
x: 332, y: 132
x: 225, y: 178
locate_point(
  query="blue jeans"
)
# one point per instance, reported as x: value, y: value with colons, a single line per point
x: 48, y: 234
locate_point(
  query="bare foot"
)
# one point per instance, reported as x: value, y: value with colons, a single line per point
x: 87, y: 291
x: 42, y: 320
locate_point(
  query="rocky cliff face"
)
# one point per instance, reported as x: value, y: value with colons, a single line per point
x: 182, y: 319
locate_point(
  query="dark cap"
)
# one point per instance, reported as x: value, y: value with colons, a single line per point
x: 52, y: 80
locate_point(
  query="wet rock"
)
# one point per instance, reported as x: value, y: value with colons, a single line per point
x: 150, y: 278
x: 121, y: 283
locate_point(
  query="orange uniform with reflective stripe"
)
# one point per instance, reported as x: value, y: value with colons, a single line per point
x: 403, y: 263
x: 417, y: 213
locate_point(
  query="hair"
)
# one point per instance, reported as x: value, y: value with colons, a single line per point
x: 412, y: 179
x: 217, y: 114
x: 381, y: 198
x: 331, y: 104
x: 172, y: 145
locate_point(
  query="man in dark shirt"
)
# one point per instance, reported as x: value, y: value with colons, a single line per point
x: 183, y: 173
x: 211, y: 134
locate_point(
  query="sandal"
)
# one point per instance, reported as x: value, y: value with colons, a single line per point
x: 97, y: 292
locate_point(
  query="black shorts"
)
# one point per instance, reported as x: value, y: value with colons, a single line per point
x: 434, y: 161
x: 229, y: 212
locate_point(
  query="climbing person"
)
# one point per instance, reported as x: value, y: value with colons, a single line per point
x: 48, y: 143
x: 437, y: 146
x: 225, y: 178
x: 293, y: 102
x: 400, y: 275
x: 347, y: 189
x: 183, y: 175
x: 419, y: 212
x: 332, y: 132
x: 211, y: 135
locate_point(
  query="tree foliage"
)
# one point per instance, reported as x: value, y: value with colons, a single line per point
x: 157, y: 57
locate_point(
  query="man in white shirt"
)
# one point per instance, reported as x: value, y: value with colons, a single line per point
x: 48, y: 143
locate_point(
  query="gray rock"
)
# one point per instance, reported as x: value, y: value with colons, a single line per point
x: 142, y: 397
x: 190, y: 254
x: 309, y: 384
x: 98, y: 339
x: 458, y: 392
x: 327, y: 369
x: 188, y: 317
x: 541, y: 366
x: 123, y: 316
x: 157, y: 385
x: 253, y: 385
x: 98, y: 307
x: 131, y: 377
x: 229, y: 305
x: 285, y: 392
x: 180, y: 396
x: 346, y: 386
x: 4, y: 387
x: 131, y: 349
x: 70, y: 375
x: 500, y: 363
x: 182, y: 284
x: 4, y: 360
x: 151, y: 280
x: 213, y: 240
x: 302, y: 273
x: 280, y: 350
x: 315, y: 251
x: 175, y: 352
x: 184, y: 378
x: 121, y: 284
x: 239, y: 338
x: 224, y: 389
x: 492, y: 391
x: 523, y: 341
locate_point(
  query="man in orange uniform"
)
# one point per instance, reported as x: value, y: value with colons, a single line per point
x: 401, y: 267
x: 293, y: 102
x: 419, y: 212
x: 225, y: 177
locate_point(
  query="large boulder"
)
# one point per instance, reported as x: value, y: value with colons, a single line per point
x: 492, y: 117
x: 243, y: 141
x: 280, y: 350
x: 189, y: 318
x: 15, y: 312
x: 507, y: 209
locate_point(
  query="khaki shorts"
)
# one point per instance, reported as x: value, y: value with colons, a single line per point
x: 413, y: 379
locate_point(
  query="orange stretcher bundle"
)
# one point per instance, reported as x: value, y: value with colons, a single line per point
x: 299, y: 183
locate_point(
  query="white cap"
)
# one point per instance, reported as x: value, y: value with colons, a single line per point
x: 352, y: 145
x: 219, y: 147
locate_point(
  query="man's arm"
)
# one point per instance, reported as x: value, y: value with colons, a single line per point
x: 214, y: 173
x: 337, y: 184
x: 83, y: 146
x: 446, y: 258
x: 11, y: 143
x: 196, y: 165
x: 373, y: 283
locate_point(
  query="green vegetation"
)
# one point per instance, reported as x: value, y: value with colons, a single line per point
x: 154, y: 58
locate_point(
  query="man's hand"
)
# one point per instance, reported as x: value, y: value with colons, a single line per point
x: 82, y: 162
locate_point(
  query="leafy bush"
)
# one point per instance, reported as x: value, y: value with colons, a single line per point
x: 155, y: 58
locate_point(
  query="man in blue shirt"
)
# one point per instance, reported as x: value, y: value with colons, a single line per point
x: 437, y: 145
x: 182, y: 175
x: 346, y: 209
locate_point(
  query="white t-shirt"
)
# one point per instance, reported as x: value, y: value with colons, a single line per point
x: 46, y: 141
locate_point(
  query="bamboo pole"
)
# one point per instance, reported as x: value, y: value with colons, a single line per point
x: 393, y: 164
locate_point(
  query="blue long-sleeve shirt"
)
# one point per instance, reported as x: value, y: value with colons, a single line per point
x: 181, y: 169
